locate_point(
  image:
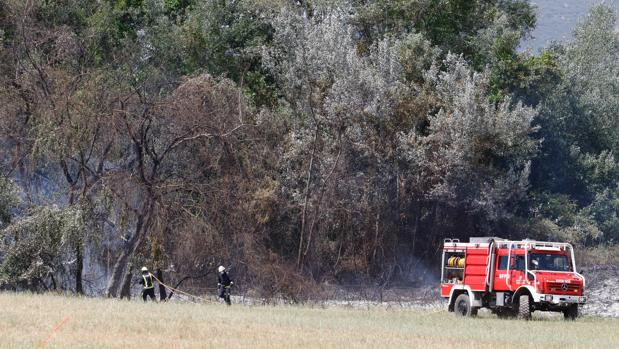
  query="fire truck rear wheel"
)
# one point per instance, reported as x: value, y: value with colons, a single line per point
x: 462, y: 306
x: 524, y: 307
x: 571, y: 312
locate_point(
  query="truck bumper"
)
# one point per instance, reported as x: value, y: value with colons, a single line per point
x: 555, y: 299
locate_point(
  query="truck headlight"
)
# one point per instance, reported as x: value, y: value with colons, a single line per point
x: 548, y: 298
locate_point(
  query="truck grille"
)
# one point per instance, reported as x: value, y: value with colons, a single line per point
x: 562, y: 288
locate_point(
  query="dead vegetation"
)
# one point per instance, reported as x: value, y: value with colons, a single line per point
x: 74, y: 322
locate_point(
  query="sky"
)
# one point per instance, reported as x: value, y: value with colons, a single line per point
x: 557, y: 18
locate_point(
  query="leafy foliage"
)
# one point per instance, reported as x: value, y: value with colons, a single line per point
x: 476, y: 154
x: 336, y: 140
x: 578, y: 122
x: 8, y: 200
x: 37, y: 245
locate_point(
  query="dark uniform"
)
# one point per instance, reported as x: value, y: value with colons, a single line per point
x: 149, y: 287
x: 224, y: 283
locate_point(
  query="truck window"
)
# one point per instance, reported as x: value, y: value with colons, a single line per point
x: 518, y: 262
x: 502, y: 262
x: 549, y: 262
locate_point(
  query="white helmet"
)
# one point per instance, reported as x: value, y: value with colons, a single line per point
x: 221, y: 269
x: 144, y: 269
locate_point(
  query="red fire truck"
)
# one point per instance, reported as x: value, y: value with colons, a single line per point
x: 511, y: 278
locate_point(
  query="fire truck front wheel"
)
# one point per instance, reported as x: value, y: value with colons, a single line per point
x: 571, y: 312
x: 462, y: 306
x: 524, y: 307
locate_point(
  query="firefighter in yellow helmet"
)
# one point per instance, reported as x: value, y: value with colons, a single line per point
x: 148, y: 285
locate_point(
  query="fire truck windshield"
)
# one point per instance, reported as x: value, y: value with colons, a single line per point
x: 549, y: 262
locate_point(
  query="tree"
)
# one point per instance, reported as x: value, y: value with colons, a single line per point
x: 578, y: 119
x: 336, y: 98
x: 203, y: 113
x: 454, y: 25
x: 54, y: 115
x: 39, y: 246
x: 379, y: 157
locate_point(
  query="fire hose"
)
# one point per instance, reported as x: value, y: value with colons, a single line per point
x: 179, y: 291
x: 178, y: 284
x: 456, y: 262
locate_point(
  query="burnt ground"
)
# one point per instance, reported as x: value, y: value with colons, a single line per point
x: 602, y: 289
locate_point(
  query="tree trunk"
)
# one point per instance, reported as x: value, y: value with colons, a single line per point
x: 323, y: 189
x: 120, y: 267
x: 162, y: 292
x: 54, y: 287
x: 414, y: 232
x: 79, y: 259
x: 125, y: 291
x: 79, y: 267
x: 306, y: 196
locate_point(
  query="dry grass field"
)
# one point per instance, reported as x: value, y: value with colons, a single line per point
x: 48, y: 321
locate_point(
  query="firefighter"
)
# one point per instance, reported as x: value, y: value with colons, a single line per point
x: 223, y: 284
x: 148, y: 289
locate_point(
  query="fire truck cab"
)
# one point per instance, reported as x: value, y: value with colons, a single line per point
x: 511, y: 278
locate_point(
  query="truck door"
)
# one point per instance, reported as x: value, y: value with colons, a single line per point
x: 505, y: 277
x: 500, y: 273
x: 517, y: 271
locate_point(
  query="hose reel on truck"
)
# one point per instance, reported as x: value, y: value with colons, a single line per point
x: 456, y: 262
